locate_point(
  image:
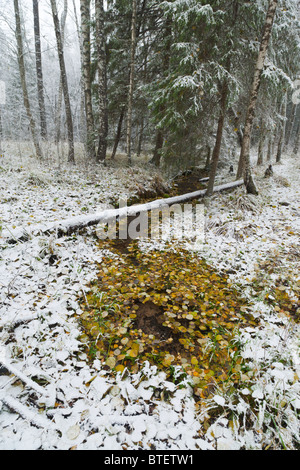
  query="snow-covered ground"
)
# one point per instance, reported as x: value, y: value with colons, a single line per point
x: 54, y: 399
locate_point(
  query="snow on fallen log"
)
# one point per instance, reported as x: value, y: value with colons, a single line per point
x: 26, y: 380
x: 73, y: 224
x: 30, y: 415
x: 11, y: 325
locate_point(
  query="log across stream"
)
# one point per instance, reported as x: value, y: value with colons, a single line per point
x: 73, y: 224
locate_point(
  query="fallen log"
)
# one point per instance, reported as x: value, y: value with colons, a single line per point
x: 73, y: 224
x: 29, y: 414
x: 24, y: 378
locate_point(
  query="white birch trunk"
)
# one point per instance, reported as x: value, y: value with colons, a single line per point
x: 22, y: 71
x: 102, y: 81
x: 245, y: 163
x: 85, y: 8
x: 282, y: 130
x: 39, y: 70
x: 131, y: 80
x: 64, y: 81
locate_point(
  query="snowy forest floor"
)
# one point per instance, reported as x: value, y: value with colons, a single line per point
x: 53, y: 397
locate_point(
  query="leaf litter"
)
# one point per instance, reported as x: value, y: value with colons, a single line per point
x: 166, y: 307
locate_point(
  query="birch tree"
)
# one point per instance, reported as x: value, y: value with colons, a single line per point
x: 297, y: 141
x: 223, y: 102
x: 282, y: 130
x: 217, y: 147
x: 85, y: 8
x: 102, y: 81
x: 165, y: 65
x: 64, y: 81
x: 262, y: 137
x: 1, y: 132
x: 245, y: 164
x: 83, y: 136
x: 58, y: 117
x: 118, y: 133
x: 290, y: 125
x: 22, y: 71
x: 131, y: 80
x: 39, y: 69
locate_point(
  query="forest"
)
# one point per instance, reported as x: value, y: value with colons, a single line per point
x: 149, y: 225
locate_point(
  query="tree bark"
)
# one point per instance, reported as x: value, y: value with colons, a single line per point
x: 102, y: 81
x: 39, y: 70
x: 64, y: 81
x: 270, y: 146
x: 1, y: 133
x: 282, y: 131
x: 131, y: 80
x: 260, y: 158
x: 22, y: 71
x: 217, y: 147
x: 157, y: 154
x: 140, y: 138
x: 297, y: 141
x: 60, y: 89
x: 85, y: 8
x: 290, y: 125
x: 156, y: 159
x: 223, y: 108
x: 118, y: 133
x: 83, y: 131
x: 245, y: 163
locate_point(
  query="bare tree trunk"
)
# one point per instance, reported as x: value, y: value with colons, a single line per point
x: 260, y: 158
x: 296, y: 129
x: 131, y: 80
x: 85, y: 8
x: 282, y: 130
x: 237, y: 125
x: 159, y: 142
x: 297, y: 141
x: 140, y: 138
x: 141, y: 30
x: 1, y: 133
x: 290, y: 125
x: 102, y: 81
x: 217, y: 147
x: 245, y: 163
x: 64, y: 81
x: 22, y: 71
x: 223, y: 108
x: 158, y: 148
x: 39, y: 70
x: 58, y: 123
x: 83, y: 131
x: 269, y: 152
x: 118, y: 134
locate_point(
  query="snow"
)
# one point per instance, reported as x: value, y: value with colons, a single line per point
x: 105, y: 216
x: 79, y: 405
x: 219, y: 400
